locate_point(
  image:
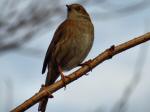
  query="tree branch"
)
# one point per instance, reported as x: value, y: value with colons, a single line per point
x: 107, y: 54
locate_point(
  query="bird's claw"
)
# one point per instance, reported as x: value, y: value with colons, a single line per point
x: 87, y: 63
x: 63, y: 77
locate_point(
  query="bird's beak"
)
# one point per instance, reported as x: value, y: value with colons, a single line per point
x: 68, y: 7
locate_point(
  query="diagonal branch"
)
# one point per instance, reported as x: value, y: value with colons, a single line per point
x: 107, y: 54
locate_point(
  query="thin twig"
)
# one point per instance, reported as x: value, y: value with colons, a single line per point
x: 107, y: 54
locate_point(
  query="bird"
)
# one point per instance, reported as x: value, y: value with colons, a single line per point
x: 70, y: 45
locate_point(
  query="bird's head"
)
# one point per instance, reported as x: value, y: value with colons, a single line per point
x: 77, y: 11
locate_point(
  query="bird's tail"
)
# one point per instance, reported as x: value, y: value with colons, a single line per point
x: 52, y: 75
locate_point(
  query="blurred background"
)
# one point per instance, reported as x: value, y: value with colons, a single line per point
x: 117, y: 85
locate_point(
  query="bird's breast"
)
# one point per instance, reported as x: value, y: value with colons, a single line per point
x: 81, y: 43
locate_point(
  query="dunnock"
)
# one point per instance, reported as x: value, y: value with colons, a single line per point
x: 70, y: 45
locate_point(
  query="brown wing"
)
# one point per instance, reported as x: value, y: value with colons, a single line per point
x: 61, y: 30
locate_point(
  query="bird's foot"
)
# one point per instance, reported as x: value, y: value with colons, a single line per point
x: 87, y: 63
x: 63, y: 77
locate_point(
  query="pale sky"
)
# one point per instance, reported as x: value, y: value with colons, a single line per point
x: 103, y: 87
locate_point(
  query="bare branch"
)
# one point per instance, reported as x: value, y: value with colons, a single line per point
x: 121, y: 105
x: 107, y: 54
